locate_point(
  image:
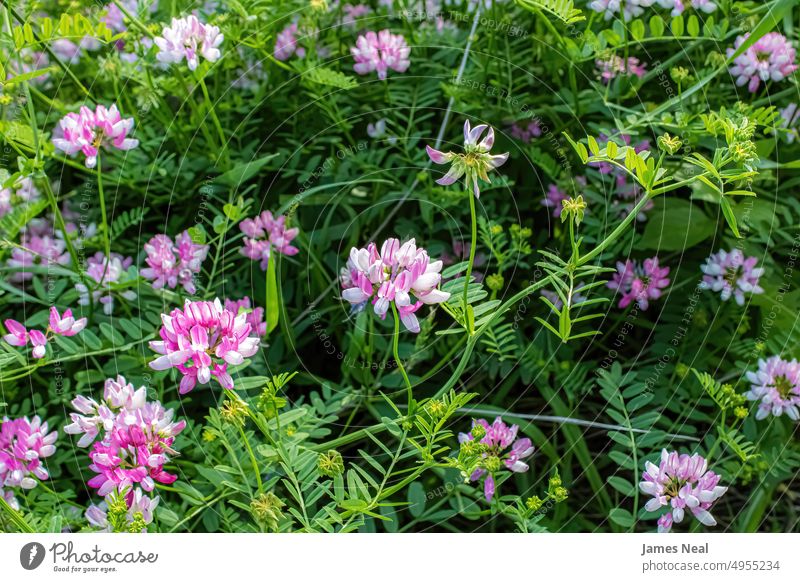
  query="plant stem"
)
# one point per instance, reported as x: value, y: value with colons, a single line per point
x: 396, y: 353
x: 468, y: 323
x: 213, y: 113
x: 15, y: 516
x: 256, y: 470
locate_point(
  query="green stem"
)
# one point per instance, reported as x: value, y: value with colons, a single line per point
x: 616, y: 232
x: 15, y: 517
x: 468, y: 323
x: 213, y: 113
x: 396, y: 353
x: 256, y: 470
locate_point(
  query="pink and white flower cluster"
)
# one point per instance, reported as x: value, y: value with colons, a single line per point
x: 139, y: 506
x: 172, y: 263
x: 135, y: 442
x: 264, y: 234
x: 39, y: 246
x: 615, y: 66
x: 399, y: 275
x: 107, y: 274
x: 771, y: 58
x: 200, y: 340
x: 379, y: 52
x: 255, y: 316
x: 731, y: 274
x: 89, y: 131
x: 678, y: 7
x: 286, y: 44
x: 20, y: 191
x: 776, y: 388
x: 497, y: 438
x: 188, y: 38
x: 610, y: 8
x: 24, y: 443
x: 681, y: 482
x: 640, y: 282
x: 18, y: 335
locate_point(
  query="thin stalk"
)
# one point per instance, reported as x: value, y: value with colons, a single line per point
x: 256, y: 470
x: 15, y: 517
x: 396, y: 353
x: 213, y: 113
x: 468, y: 323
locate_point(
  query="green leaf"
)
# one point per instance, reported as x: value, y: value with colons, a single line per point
x: 244, y: 171
x: 271, y: 300
x: 621, y: 517
x: 416, y: 499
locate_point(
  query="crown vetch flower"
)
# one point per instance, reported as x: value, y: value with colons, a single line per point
x: 173, y: 263
x: 554, y: 198
x: 730, y: 274
x: 771, y: 58
x: 495, y: 440
x: 380, y: 52
x: 138, y: 507
x: 200, y: 340
x: 264, y: 234
x: 640, y: 282
x: 255, y: 316
x: 188, y: 38
x: 681, y: 482
x: 476, y: 161
x: 38, y: 246
x: 88, y: 131
x: 286, y: 44
x: 776, y: 387
x: 106, y: 273
x: 398, y: 274
x: 24, y: 443
x: 65, y: 325
x: 613, y: 67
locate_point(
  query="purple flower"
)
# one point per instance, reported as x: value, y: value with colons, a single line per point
x: 66, y: 325
x: 731, y: 274
x: 398, y: 274
x: 681, y: 482
x: 616, y: 65
x: 500, y: 448
x: 187, y: 38
x: 380, y: 52
x: 87, y: 131
x: 475, y: 163
x: 640, y: 282
x: 553, y: 199
x: 609, y: 8
x: 173, y: 263
x: 38, y: 247
x: 255, y: 316
x: 776, y: 386
x: 107, y: 273
x: 286, y: 44
x: 265, y: 233
x: 525, y: 133
x: 23, y: 444
x: 771, y: 58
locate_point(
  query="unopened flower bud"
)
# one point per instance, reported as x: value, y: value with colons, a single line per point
x: 330, y: 463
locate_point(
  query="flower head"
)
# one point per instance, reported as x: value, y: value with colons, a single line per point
x: 88, y: 131
x: 255, y: 316
x: 173, y: 263
x: 24, y: 443
x: 188, y: 38
x: 106, y: 273
x: 730, y: 273
x: 613, y: 67
x: 264, y: 234
x: 776, y: 387
x: 286, y: 44
x: 39, y: 246
x: 401, y: 274
x: 64, y: 325
x: 640, y: 282
x: 123, y: 513
x: 476, y: 161
x: 681, y: 482
x: 498, y: 448
x: 200, y: 340
x: 609, y: 8
x: 553, y: 198
x: 380, y: 52
x: 771, y: 58
x: 525, y: 132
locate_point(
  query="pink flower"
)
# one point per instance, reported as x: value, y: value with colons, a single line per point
x: 38, y: 247
x: 776, y: 386
x: 731, y: 274
x: 380, y: 52
x: 200, y: 340
x: 108, y: 274
x: 639, y: 282
x: 525, y: 133
x: 616, y: 65
x: 554, y: 198
x: 24, y: 443
x: 681, y: 482
x: 172, y: 263
x: 496, y: 440
x: 476, y: 161
x: 140, y: 506
x: 286, y: 44
x: 65, y: 325
x: 21, y: 191
x: 632, y: 8
x: 771, y: 58
x: 87, y: 131
x: 263, y: 234
x: 399, y: 274
x: 255, y: 317
x: 186, y: 38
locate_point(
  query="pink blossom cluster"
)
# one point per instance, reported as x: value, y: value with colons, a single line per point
x: 24, y: 443
x: 139, y: 506
x: 613, y: 67
x: 39, y: 246
x: 681, y: 482
x: 731, y: 274
x: 21, y: 190
x: 397, y: 275
x: 352, y: 12
x: 776, y: 388
x: 172, y: 263
x: 188, y: 38
x: 200, y: 340
x: 640, y: 282
x: 88, y: 131
x: 264, y: 234
x: 286, y: 44
x: 497, y: 438
x: 71, y: 52
x: 255, y: 316
x: 107, y: 274
x: 610, y: 8
x: 379, y: 52
x: 64, y: 325
x: 525, y: 132
x: 771, y: 58
x: 133, y: 440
